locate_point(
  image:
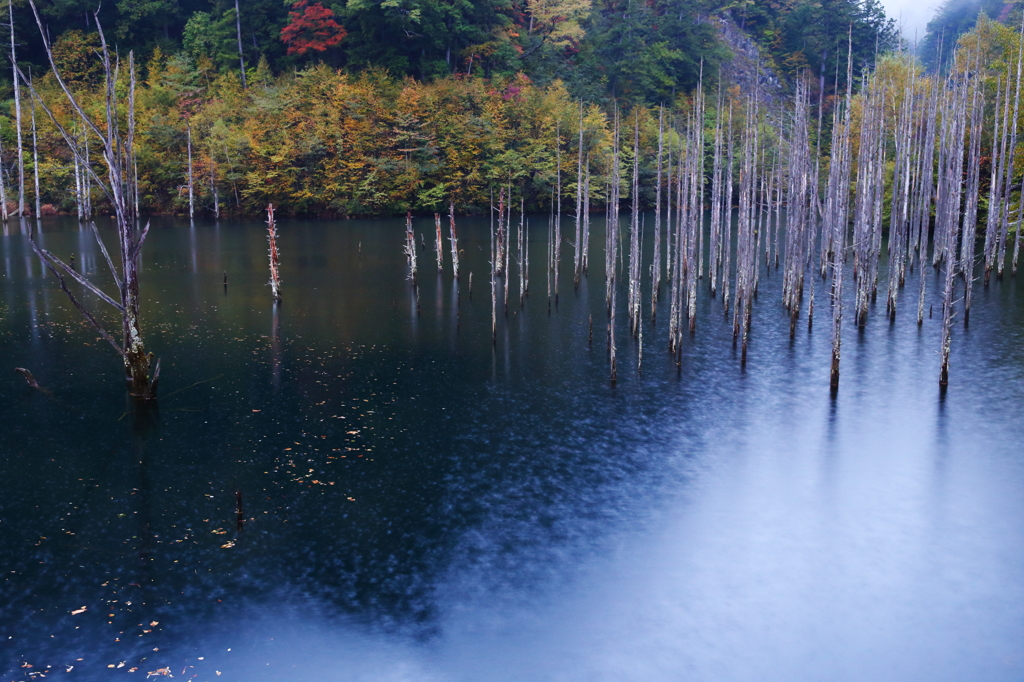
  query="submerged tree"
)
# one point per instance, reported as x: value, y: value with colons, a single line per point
x: 117, y: 136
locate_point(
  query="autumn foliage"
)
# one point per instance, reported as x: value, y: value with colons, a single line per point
x: 311, y: 27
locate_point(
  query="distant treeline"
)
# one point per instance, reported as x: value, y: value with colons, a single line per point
x: 323, y: 142
x: 628, y: 49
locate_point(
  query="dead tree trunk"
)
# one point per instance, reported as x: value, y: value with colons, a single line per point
x: 275, y: 275
x: 241, y: 55
x: 17, y: 115
x: 3, y: 186
x: 453, y: 239
x: 191, y: 193
x: 118, y: 145
x: 438, y: 248
x: 35, y: 153
x: 410, y: 247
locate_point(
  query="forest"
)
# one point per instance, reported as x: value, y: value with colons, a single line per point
x: 373, y: 109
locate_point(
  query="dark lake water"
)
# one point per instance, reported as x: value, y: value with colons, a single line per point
x: 423, y: 505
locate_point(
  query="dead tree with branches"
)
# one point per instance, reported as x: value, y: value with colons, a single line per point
x: 117, y: 136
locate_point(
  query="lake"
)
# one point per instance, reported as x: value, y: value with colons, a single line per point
x: 419, y: 503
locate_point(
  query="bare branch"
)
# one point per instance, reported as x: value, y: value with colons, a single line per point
x: 142, y: 239
x: 78, y: 278
x: 68, y: 138
x: 56, y: 71
x: 74, y: 301
x: 106, y: 255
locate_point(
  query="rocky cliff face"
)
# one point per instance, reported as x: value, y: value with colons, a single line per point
x: 747, y: 68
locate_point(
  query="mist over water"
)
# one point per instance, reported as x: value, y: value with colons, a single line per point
x: 420, y: 504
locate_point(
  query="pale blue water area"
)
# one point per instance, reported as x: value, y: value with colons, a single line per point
x: 421, y: 504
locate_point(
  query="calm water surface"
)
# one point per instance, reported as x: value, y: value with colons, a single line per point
x: 420, y: 504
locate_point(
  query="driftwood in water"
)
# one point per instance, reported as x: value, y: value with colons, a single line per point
x: 27, y: 375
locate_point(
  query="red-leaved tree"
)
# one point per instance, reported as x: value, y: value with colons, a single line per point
x: 311, y: 27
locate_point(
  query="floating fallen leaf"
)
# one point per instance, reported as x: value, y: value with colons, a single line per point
x: 78, y: 611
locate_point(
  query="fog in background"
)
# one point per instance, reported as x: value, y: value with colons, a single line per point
x: 911, y: 15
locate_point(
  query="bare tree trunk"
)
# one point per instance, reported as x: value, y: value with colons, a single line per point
x: 35, y: 151
x: 522, y: 256
x: 558, y: 209
x: 17, y: 115
x: 78, y: 188
x: 410, y: 247
x: 577, y: 251
x: 494, y: 283
x: 438, y: 248
x: 213, y: 187
x: 453, y: 240
x: 86, y: 176
x: 586, y: 219
x: 191, y: 193
x: 275, y: 260
x: 119, y: 187
x: 3, y: 186
x: 241, y: 55
x: 633, y: 298
x: 656, y: 258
